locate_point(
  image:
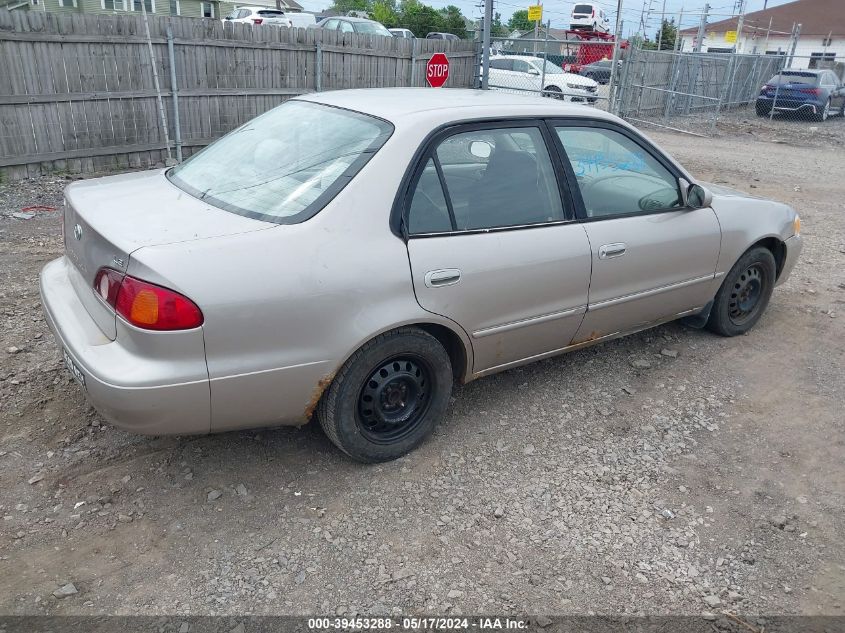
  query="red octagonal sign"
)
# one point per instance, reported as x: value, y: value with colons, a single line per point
x: 437, y: 70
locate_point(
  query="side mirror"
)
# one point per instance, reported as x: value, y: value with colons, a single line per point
x: 694, y: 196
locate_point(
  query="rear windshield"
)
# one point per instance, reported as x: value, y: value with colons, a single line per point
x: 285, y: 165
x: 811, y: 79
x: 583, y: 8
x: 372, y: 28
x: 271, y: 14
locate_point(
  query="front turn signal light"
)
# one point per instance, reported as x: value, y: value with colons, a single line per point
x: 796, y: 226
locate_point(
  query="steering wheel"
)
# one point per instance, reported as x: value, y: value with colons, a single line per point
x: 653, y: 202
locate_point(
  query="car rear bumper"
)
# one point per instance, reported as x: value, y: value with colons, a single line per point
x: 783, y: 105
x: 160, y: 388
x: 793, y: 245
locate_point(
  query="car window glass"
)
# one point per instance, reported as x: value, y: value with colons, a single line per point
x: 520, y: 65
x: 285, y: 164
x: 615, y: 174
x: 346, y: 27
x: 244, y: 13
x: 330, y: 25
x: 428, y: 212
x: 501, y: 177
x: 501, y: 64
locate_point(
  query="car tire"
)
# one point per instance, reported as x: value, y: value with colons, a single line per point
x: 744, y: 293
x: 825, y: 113
x: 388, y: 397
x: 553, y: 92
x: 842, y: 109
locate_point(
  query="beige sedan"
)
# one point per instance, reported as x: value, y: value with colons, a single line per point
x: 350, y: 255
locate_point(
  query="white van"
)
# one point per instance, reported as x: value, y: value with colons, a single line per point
x: 590, y: 17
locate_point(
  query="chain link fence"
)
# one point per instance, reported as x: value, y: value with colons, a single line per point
x: 788, y: 98
x: 712, y: 93
x: 571, y: 70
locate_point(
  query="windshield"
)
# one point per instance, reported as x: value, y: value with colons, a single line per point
x: 551, y: 69
x: 372, y: 28
x: 285, y: 165
x: 811, y: 79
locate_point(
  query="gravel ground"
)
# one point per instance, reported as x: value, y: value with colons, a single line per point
x: 672, y: 472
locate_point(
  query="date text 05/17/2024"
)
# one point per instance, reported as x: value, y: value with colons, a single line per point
x: 419, y: 623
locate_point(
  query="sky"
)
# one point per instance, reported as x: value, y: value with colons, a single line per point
x: 558, y: 11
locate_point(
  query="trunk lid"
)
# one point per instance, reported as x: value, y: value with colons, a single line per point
x: 107, y: 219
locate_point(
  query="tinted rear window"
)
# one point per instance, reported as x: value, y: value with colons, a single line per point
x: 811, y: 79
x: 583, y: 8
x: 372, y: 28
x: 285, y: 165
x: 271, y: 14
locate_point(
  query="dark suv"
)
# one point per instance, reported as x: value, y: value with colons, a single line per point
x: 819, y: 93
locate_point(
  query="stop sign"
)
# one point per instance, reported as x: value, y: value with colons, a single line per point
x: 437, y: 70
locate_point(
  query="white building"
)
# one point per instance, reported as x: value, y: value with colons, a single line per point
x: 821, y: 41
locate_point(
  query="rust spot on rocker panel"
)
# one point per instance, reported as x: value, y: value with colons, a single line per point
x: 590, y: 338
x: 321, y: 387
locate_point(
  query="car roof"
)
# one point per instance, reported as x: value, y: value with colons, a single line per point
x: 349, y: 18
x: 440, y: 106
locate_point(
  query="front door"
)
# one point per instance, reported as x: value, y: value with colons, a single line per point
x: 493, y: 244
x: 652, y: 258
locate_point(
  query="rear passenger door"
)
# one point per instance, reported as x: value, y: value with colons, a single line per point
x: 492, y: 241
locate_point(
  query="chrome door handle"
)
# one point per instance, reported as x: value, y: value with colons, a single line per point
x: 609, y: 251
x: 442, y: 277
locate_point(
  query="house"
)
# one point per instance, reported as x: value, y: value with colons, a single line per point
x: 821, y: 41
x: 216, y: 9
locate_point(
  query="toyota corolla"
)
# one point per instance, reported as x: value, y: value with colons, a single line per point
x: 350, y: 255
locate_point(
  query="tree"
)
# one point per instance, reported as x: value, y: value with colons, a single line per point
x: 666, y: 35
x: 345, y: 6
x: 420, y: 18
x: 384, y: 11
x: 499, y: 29
x: 453, y: 21
x: 519, y: 21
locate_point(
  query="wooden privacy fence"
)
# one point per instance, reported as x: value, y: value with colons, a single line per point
x: 77, y: 92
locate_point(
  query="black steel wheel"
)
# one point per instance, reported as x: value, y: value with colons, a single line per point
x: 744, y: 294
x: 388, y: 397
x: 394, y: 399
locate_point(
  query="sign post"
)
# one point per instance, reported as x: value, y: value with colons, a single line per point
x: 535, y: 14
x: 437, y: 70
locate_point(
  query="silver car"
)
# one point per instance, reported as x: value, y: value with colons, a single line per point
x: 349, y: 255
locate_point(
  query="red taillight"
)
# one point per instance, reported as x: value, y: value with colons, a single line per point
x: 810, y: 91
x: 594, y: 12
x: 107, y: 284
x: 146, y: 305
x: 257, y: 20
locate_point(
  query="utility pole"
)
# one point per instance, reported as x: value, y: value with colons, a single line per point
x: 796, y: 33
x: 485, y: 45
x: 678, y: 31
x: 615, y: 59
x: 768, y: 31
x: 660, y: 32
x: 702, y: 28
